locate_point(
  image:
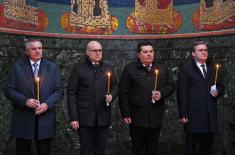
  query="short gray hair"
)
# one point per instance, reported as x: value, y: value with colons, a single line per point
x: 28, y: 42
x: 199, y: 43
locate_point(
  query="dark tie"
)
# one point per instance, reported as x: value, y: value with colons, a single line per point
x: 148, y: 67
x: 204, y: 70
x: 35, y: 71
x: 96, y: 67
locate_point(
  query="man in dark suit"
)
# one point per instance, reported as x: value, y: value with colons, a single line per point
x: 33, y: 115
x: 89, y: 100
x: 197, y: 95
x: 142, y: 107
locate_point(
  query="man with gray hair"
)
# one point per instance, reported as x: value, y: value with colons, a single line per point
x: 198, y: 90
x: 33, y: 85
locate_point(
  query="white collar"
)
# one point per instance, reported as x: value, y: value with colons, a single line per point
x: 149, y: 65
x: 200, y: 65
x: 32, y: 62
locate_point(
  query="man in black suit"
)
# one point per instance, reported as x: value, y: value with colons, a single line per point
x: 197, y: 95
x: 33, y: 115
x: 142, y: 107
x: 89, y: 100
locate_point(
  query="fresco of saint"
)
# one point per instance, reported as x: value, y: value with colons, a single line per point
x: 22, y: 15
x: 154, y: 17
x: 89, y: 17
x: 214, y: 15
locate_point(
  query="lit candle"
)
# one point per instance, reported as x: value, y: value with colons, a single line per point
x: 216, y: 73
x: 108, y: 83
x: 155, y: 83
x: 38, y: 90
x: 108, y: 92
x: 155, y: 80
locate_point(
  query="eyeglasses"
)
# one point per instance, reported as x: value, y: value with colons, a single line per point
x: 96, y: 50
x: 35, y: 48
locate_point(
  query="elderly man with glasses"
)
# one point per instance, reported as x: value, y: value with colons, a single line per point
x: 90, y: 88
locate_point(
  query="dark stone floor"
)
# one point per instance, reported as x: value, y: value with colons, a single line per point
x: 76, y: 152
x: 115, y: 152
x: 109, y: 152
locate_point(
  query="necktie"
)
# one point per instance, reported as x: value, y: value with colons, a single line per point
x: 148, y: 67
x: 96, y: 67
x: 35, y: 71
x: 204, y: 70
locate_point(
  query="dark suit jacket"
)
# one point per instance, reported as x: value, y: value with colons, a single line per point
x: 86, y: 94
x: 135, y: 91
x: 20, y: 86
x: 195, y: 100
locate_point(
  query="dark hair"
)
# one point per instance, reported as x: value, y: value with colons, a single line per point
x: 143, y: 44
x: 199, y: 43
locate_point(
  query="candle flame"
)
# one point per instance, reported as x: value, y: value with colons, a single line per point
x: 216, y: 73
x: 156, y: 71
x: 37, y: 79
x: 109, y: 74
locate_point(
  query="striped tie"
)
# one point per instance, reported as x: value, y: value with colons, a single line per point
x: 35, y: 71
x: 204, y: 71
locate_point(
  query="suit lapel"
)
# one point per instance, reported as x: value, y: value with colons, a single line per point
x: 198, y: 71
x: 209, y: 72
x: 43, y: 71
x: 154, y: 68
x: 27, y: 69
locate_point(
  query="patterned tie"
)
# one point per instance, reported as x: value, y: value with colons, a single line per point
x: 35, y: 71
x: 204, y: 70
x: 148, y: 67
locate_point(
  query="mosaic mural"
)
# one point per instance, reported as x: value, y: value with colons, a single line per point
x: 18, y: 14
x: 214, y: 15
x: 89, y: 17
x: 154, y: 16
x: 111, y: 17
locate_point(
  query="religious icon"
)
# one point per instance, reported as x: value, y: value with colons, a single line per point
x: 214, y: 15
x: 90, y: 17
x: 22, y: 15
x: 154, y: 16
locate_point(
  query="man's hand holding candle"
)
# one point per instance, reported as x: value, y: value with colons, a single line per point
x: 32, y: 103
x: 108, y: 98
x: 41, y: 109
x: 156, y: 95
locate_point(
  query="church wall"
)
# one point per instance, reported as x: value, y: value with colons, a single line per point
x: 118, y: 52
